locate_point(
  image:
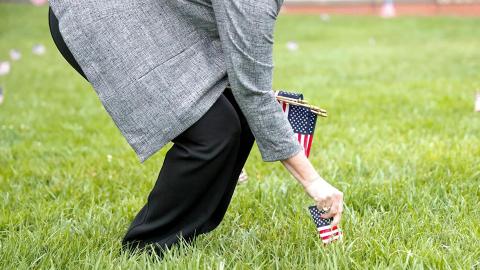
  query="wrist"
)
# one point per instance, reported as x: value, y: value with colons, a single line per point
x: 307, y: 182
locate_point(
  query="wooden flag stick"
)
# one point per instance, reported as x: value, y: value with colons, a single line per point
x: 299, y: 102
x: 293, y: 99
x: 314, y: 109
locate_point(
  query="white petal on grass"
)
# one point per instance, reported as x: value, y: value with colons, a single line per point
x: 15, y: 55
x: 109, y: 158
x: 292, y: 46
x: 38, y: 49
x: 4, y: 68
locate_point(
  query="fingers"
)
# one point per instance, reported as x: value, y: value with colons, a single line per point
x: 335, y: 210
x: 324, y: 203
x: 327, y: 197
x: 336, y: 219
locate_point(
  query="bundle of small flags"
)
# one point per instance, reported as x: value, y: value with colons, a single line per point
x: 326, y: 232
x: 301, y: 116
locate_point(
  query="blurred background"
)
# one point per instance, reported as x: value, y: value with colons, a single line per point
x: 386, y: 8
x: 371, y: 7
x: 400, y: 81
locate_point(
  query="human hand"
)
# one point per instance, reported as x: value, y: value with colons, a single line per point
x: 326, y: 197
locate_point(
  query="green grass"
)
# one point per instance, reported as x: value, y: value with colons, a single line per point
x: 402, y: 142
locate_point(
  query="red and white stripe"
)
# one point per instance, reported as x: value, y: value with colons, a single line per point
x: 329, y: 234
x: 306, y: 141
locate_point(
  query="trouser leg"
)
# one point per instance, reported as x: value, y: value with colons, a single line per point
x: 246, y: 143
x: 196, y: 182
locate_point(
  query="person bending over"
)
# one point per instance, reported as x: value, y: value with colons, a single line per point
x: 161, y: 70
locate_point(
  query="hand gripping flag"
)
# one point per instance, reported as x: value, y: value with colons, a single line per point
x: 326, y: 232
x: 301, y: 118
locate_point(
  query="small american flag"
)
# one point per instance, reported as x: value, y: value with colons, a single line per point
x: 301, y: 118
x: 325, y: 230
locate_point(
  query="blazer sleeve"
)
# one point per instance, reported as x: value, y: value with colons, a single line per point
x: 246, y: 32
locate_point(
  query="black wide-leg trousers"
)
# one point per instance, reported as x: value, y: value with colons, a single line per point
x: 198, y: 176
x: 197, y: 180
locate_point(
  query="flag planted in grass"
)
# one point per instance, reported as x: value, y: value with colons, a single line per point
x: 301, y: 118
x: 326, y: 232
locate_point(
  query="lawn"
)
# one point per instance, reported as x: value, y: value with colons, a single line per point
x: 401, y: 141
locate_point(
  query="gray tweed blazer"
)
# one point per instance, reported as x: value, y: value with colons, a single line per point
x: 159, y: 65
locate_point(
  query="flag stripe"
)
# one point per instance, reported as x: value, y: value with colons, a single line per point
x: 309, y: 144
x: 327, y: 234
x: 328, y: 227
x: 305, y: 143
x: 326, y: 231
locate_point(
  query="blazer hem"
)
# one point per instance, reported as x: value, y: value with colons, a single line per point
x: 153, y: 144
